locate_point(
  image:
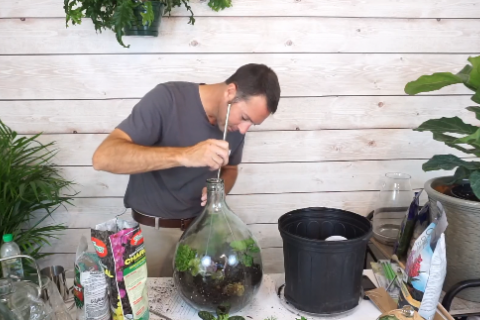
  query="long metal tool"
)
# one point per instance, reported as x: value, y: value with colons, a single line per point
x: 225, y: 133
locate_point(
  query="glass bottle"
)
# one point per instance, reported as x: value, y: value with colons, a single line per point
x: 217, y: 262
x: 406, y: 313
x: 393, y: 202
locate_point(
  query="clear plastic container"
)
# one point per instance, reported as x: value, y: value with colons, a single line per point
x: 26, y: 303
x: 217, y: 265
x: 11, y: 268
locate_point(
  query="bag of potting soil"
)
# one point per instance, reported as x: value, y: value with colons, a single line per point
x: 119, y: 245
x: 407, y: 227
x: 426, y: 269
x: 90, y: 289
x: 422, y: 222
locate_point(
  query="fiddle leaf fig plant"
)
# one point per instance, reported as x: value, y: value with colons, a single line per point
x: 117, y: 15
x: 454, y: 132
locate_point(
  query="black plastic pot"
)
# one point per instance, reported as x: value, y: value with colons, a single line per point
x: 138, y: 28
x: 323, y: 277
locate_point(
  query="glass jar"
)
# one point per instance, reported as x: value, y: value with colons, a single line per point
x: 217, y: 264
x: 393, y: 202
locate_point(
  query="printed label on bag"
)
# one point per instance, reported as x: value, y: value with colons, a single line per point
x: 95, y: 296
x: 135, y: 276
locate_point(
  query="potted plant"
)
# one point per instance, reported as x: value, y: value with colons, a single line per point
x: 129, y: 17
x: 459, y: 194
x: 31, y: 189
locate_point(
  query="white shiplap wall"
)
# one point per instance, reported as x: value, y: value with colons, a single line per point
x: 343, y: 120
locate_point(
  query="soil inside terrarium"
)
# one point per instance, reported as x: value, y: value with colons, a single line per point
x: 462, y: 191
x: 232, y: 292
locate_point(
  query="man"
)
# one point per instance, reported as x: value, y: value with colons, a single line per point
x: 172, y: 142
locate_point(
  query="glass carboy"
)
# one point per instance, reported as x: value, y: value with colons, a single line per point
x: 217, y: 262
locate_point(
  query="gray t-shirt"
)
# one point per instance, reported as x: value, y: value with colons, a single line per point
x: 172, y: 115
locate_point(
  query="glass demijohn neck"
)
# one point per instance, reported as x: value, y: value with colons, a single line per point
x: 215, y: 195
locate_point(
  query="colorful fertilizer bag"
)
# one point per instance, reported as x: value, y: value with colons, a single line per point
x: 426, y: 268
x: 120, y: 246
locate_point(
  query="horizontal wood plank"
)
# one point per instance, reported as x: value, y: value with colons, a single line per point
x: 288, y: 146
x: 353, y: 8
x: 124, y: 76
x: 303, y: 113
x: 272, y: 259
x: 274, y: 177
x: 249, y: 35
x: 252, y: 208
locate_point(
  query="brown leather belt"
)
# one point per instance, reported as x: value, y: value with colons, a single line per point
x: 158, y: 222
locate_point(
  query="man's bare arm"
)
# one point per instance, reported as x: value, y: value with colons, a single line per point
x: 119, y: 154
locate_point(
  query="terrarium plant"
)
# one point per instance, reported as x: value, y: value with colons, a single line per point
x: 454, y: 132
x: 31, y: 189
x: 205, y: 315
x: 129, y: 17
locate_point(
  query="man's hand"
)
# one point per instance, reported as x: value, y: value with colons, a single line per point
x: 209, y: 153
x: 204, y: 196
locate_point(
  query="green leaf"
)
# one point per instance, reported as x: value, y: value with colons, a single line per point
x: 223, y: 309
x: 122, y: 18
x: 432, y: 82
x: 475, y: 183
x: 476, y: 110
x: 450, y: 141
x: 249, y: 242
x: 147, y: 16
x: 183, y: 257
x: 205, y: 315
x: 442, y: 125
x: 194, y: 266
x: 218, y: 5
x: 239, y: 245
x: 388, y: 317
x: 254, y: 249
x: 460, y: 174
x: 448, y: 162
x: 465, y: 72
x: 472, y: 139
x: 476, y: 97
x: 247, y: 260
x: 474, y: 79
x: 236, y: 318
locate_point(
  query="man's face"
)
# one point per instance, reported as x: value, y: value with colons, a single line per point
x: 244, y: 113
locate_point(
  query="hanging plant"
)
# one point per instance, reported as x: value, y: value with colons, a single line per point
x: 129, y: 17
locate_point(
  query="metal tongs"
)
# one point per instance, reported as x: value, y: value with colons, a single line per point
x: 225, y: 133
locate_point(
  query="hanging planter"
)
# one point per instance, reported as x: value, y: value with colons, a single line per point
x: 141, y: 28
x: 129, y: 17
